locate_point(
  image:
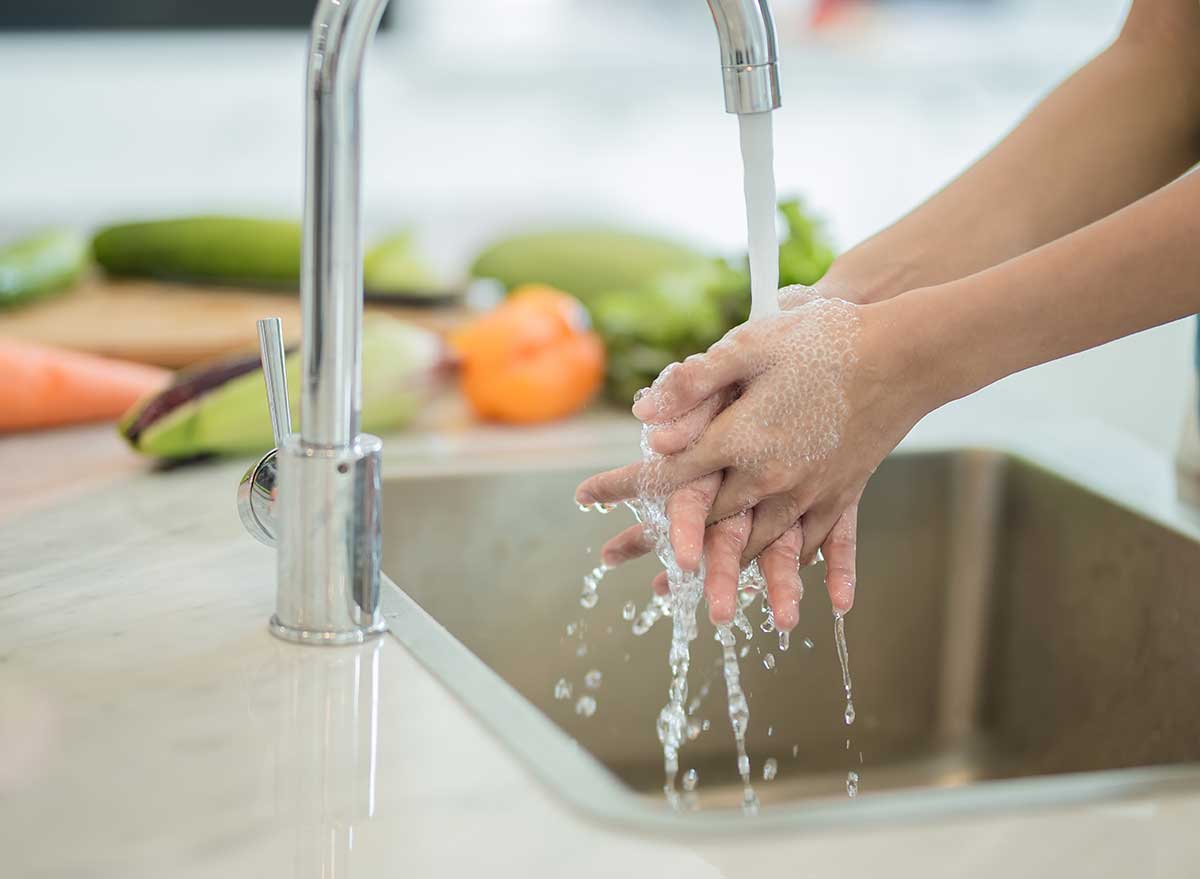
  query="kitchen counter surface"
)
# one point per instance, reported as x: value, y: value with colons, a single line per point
x: 150, y: 726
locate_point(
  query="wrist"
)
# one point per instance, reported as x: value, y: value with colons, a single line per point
x: 858, y: 277
x: 924, y: 347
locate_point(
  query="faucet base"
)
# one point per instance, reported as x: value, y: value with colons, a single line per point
x: 329, y: 542
x: 332, y: 639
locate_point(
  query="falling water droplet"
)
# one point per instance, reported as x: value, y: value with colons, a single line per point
x: 749, y: 801
x: 705, y: 725
x: 795, y: 750
x: 690, y: 778
x: 808, y: 644
x: 562, y: 690
x: 629, y: 611
x: 849, y: 713
x: 592, y: 679
x: 785, y: 641
x: 770, y: 731
x: 770, y: 767
x: 769, y: 660
x: 583, y: 508
x: 581, y: 650
x: 590, y: 595
x: 586, y: 706
x: 693, y: 731
x: 851, y: 783
x: 572, y: 628
x: 745, y: 651
x: 768, y: 625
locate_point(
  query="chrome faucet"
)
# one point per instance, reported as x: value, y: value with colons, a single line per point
x: 317, y: 494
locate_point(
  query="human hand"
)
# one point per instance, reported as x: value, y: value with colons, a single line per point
x: 815, y: 415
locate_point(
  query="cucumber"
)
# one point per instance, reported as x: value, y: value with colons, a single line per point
x: 254, y: 252
x: 41, y: 265
x: 223, y: 250
x: 586, y: 262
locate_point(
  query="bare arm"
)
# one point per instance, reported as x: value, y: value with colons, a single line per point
x: 1124, y: 125
x: 1135, y: 269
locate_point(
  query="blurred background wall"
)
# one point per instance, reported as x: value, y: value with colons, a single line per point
x: 484, y: 113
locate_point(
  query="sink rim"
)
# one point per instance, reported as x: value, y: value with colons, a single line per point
x: 583, y: 782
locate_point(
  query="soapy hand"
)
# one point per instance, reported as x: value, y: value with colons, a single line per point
x: 792, y: 411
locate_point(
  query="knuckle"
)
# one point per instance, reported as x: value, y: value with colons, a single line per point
x: 789, y: 543
x: 772, y: 481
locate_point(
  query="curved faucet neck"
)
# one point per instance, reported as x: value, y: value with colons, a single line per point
x: 331, y: 263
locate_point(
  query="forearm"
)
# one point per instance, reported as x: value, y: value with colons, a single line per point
x: 1133, y: 270
x: 1124, y: 125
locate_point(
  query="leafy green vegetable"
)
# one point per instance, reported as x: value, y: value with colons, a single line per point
x: 679, y: 313
x: 805, y: 254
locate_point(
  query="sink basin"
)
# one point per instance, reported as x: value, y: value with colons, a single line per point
x: 1018, y: 639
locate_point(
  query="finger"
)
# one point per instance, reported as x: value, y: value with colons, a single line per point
x: 772, y: 517
x: 630, y: 544
x: 723, y: 544
x: 687, y: 508
x: 817, y: 525
x: 682, y: 386
x: 659, y: 584
x: 739, y: 491
x: 840, y: 549
x: 666, y: 474
x: 609, y: 487
x: 677, y: 435
x: 780, y: 565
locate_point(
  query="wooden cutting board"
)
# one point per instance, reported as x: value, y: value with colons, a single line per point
x: 175, y: 325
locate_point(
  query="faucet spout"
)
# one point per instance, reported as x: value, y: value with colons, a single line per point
x: 749, y: 58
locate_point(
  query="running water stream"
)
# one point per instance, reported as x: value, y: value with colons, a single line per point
x: 687, y: 589
x: 758, y: 170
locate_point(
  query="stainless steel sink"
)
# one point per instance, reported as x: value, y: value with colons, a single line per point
x: 1017, y: 639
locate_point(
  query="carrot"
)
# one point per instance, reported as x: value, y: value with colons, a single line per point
x: 42, y: 386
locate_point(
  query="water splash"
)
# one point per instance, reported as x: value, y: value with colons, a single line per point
x: 770, y: 768
x: 590, y: 595
x: 659, y: 607
x: 839, y: 636
x: 739, y: 714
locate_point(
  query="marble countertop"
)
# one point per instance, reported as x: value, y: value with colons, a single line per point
x: 150, y: 726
